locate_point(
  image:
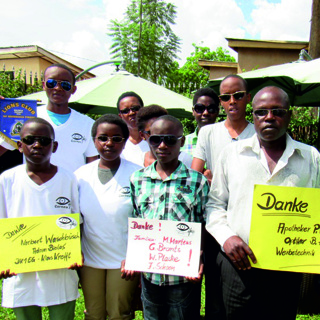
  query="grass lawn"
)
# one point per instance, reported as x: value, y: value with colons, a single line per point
x: 7, y: 314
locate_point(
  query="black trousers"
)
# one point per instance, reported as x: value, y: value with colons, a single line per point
x: 257, y: 293
x: 213, y: 302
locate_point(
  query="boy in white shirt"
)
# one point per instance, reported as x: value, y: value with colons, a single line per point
x: 32, y: 189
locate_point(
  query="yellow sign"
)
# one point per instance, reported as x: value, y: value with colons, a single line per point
x: 285, y: 228
x: 39, y: 243
x: 8, y: 140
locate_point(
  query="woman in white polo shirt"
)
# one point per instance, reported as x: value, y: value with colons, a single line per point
x: 105, y: 203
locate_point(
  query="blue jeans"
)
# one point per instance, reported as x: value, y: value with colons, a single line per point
x: 176, y: 302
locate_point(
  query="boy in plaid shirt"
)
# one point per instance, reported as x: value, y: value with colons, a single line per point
x: 168, y: 190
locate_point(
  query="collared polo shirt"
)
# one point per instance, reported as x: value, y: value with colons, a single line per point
x: 190, y: 142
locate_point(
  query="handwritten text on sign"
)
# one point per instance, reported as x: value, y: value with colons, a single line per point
x: 166, y: 247
x: 285, y: 228
x: 39, y: 243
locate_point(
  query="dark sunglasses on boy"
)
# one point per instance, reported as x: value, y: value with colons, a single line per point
x: 237, y: 96
x: 170, y: 140
x: 30, y: 140
x: 114, y: 139
x: 127, y: 110
x: 261, y: 113
x: 52, y: 83
x: 200, y: 108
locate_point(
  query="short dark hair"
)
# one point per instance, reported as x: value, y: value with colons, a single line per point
x: 245, y: 83
x: 147, y: 113
x: 112, y: 119
x: 209, y: 92
x: 129, y: 94
x: 62, y: 66
x: 173, y: 120
x: 284, y: 96
x: 39, y: 121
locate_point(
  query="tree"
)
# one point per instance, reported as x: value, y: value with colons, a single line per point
x: 145, y: 40
x: 314, y: 42
x: 13, y: 88
x: 191, y: 76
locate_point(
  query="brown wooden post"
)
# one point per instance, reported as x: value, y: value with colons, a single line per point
x: 314, y: 42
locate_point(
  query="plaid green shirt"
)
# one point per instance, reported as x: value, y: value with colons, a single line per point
x: 190, y: 143
x: 180, y: 197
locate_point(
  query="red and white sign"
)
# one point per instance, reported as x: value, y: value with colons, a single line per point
x: 165, y: 247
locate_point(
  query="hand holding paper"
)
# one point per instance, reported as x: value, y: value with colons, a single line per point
x: 238, y: 251
x: 6, y: 274
x: 127, y: 274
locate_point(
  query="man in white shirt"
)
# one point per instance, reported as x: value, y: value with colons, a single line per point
x: 212, y: 138
x: 269, y: 157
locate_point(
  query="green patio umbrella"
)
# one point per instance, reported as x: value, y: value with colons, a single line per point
x: 99, y: 95
x: 300, y: 79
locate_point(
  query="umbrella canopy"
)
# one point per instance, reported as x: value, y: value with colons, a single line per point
x: 99, y: 95
x: 300, y: 79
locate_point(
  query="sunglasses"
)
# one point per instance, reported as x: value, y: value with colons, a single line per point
x: 200, y: 108
x: 260, y: 113
x: 52, y: 83
x: 30, y: 140
x: 114, y: 139
x: 170, y: 140
x: 227, y: 96
x: 127, y: 110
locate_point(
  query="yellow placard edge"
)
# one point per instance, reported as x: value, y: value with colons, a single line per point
x: 8, y: 140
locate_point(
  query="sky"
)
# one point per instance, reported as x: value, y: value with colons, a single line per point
x: 76, y: 30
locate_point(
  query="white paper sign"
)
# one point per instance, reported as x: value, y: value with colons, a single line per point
x: 165, y: 247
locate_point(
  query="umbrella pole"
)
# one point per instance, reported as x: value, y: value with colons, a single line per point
x: 318, y: 137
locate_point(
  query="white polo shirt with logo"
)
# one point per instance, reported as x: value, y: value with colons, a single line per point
x: 105, y: 209
x: 75, y: 143
x: 22, y: 197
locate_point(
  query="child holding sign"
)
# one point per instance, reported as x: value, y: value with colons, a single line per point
x: 34, y: 189
x: 105, y: 204
x: 168, y: 190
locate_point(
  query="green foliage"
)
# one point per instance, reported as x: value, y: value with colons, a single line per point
x: 13, y: 88
x: 304, y: 125
x: 189, y: 125
x: 191, y: 76
x: 145, y: 40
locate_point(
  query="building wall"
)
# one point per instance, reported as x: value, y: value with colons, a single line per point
x: 33, y: 64
x: 220, y: 72
x: 256, y: 58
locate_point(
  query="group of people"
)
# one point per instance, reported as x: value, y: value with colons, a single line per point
x: 143, y: 149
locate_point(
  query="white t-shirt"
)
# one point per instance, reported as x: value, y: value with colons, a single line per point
x: 74, y: 140
x: 213, y: 138
x: 22, y: 197
x: 135, y: 152
x: 105, y: 209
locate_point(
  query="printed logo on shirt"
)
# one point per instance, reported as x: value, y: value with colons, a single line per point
x: 63, y: 202
x: 124, y: 192
x: 77, y: 137
x: 66, y: 223
x: 185, y: 189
